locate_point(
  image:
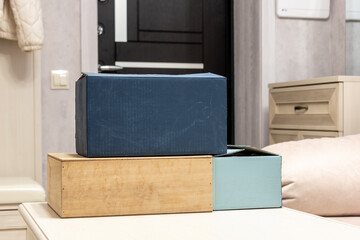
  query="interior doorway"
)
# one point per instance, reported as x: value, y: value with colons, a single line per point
x: 170, y: 37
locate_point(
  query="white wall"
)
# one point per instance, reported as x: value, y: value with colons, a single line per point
x: 61, y: 50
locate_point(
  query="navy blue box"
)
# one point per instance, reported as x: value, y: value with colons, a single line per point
x: 150, y: 115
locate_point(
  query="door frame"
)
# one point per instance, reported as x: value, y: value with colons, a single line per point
x: 89, y: 38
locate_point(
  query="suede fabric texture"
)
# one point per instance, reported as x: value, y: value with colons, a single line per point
x: 21, y: 20
x: 321, y: 176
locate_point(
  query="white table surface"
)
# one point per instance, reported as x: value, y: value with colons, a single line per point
x: 277, y: 223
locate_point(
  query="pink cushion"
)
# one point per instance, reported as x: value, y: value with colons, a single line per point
x: 321, y: 176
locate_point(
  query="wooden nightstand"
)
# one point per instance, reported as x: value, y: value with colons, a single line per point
x: 313, y: 108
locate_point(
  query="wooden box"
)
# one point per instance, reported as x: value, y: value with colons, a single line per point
x: 78, y: 186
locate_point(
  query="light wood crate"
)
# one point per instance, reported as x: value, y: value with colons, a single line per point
x: 80, y: 187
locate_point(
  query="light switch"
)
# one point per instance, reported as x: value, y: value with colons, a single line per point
x: 63, y: 80
x: 59, y: 79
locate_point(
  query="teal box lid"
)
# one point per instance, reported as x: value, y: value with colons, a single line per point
x: 246, y: 177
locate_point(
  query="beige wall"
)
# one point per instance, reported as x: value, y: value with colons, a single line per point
x: 289, y: 49
x: 61, y: 51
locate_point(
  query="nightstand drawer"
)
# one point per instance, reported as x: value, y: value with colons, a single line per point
x: 313, y: 107
x: 278, y: 136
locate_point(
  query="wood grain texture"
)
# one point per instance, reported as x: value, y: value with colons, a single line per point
x: 54, y: 183
x: 124, y: 186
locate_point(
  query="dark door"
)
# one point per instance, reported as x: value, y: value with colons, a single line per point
x: 168, y: 36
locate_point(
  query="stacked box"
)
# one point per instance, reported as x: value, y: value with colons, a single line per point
x: 81, y: 187
x: 145, y: 142
x: 150, y: 115
x: 245, y: 178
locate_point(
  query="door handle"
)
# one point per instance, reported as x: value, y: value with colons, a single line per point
x: 109, y: 68
x: 301, y: 108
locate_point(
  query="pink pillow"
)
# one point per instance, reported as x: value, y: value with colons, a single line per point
x: 321, y: 176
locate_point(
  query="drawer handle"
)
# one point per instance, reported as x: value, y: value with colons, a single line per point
x: 301, y: 108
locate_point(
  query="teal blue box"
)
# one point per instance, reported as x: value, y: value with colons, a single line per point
x: 245, y: 178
